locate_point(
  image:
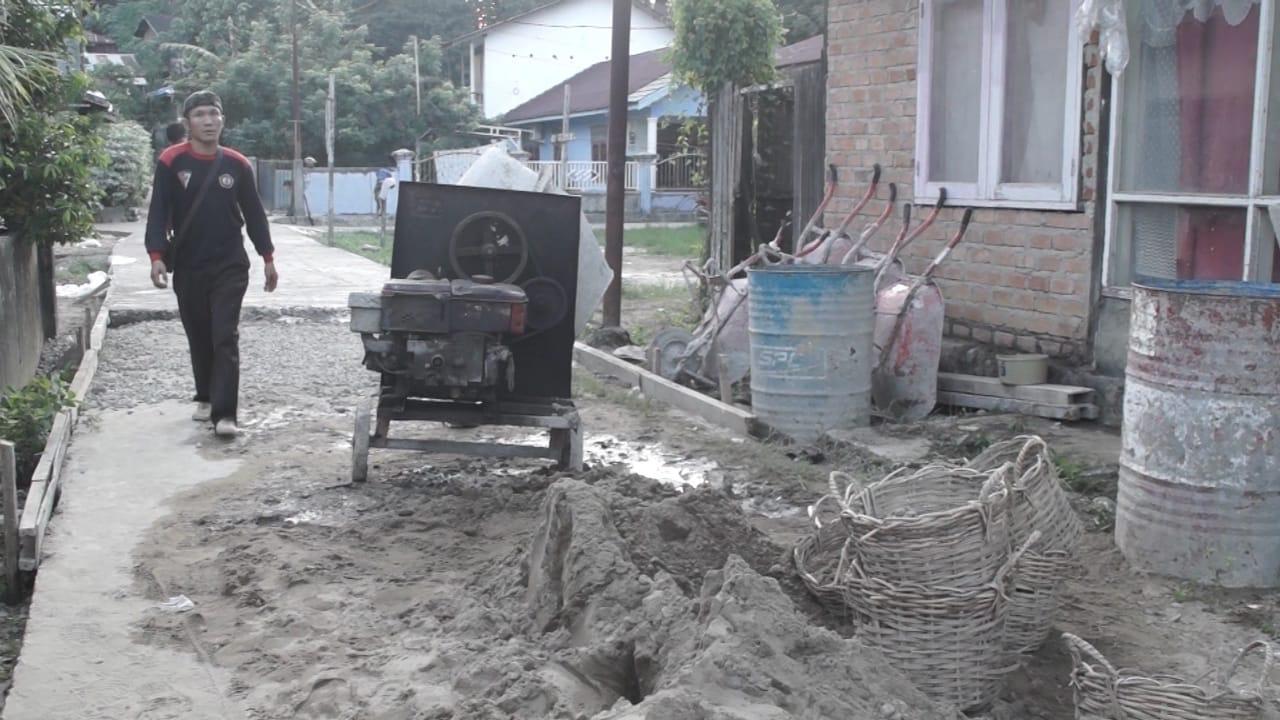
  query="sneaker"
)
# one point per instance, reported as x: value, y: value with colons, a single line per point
x: 203, y: 412
x: 226, y: 427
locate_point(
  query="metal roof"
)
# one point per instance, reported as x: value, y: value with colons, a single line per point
x: 589, y: 89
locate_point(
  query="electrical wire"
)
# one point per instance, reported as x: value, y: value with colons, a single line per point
x: 577, y: 27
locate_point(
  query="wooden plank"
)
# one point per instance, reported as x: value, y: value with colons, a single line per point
x: 726, y: 162
x: 51, y: 492
x: 451, y: 447
x: 58, y: 435
x: 9, y: 496
x: 658, y: 388
x: 808, y: 143
x: 1045, y: 393
x: 41, y: 495
x: 84, y: 376
x: 1025, y: 407
x: 99, y: 333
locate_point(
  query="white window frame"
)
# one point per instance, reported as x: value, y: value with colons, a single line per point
x: 988, y: 191
x: 1257, y: 254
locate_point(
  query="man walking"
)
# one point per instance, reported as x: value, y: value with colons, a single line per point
x: 204, y: 194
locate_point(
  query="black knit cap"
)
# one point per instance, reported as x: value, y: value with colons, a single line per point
x: 199, y: 98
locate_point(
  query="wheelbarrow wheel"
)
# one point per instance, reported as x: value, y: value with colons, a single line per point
x: 360, y: 443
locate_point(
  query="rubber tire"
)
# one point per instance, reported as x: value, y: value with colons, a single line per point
x: 360, y: 443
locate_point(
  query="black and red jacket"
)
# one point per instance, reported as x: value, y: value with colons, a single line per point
x: 213, y: 239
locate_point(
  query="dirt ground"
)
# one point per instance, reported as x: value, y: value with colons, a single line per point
x: 657, y: 584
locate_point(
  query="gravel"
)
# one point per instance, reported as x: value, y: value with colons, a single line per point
x: 285, y: 362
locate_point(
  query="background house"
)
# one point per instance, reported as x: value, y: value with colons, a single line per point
x: 1084, y: 181
x: 658, y: 111
x: 511, y: 62
x: 151, y: 27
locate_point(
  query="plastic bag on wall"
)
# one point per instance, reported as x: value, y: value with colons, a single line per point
x: 1113, y: 31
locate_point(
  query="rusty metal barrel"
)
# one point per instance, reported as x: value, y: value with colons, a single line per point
x: 811, y: 336
x: 1200, y: 466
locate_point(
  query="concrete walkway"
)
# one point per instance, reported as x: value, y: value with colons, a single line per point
x: 82, y: 658
x: 311, y: 275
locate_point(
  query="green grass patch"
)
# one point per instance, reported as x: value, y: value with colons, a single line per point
x: 363, y: 243
x: 684, y: 242
x: 654, y: 291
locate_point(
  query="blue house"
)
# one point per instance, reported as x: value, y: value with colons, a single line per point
x: 657, y: 112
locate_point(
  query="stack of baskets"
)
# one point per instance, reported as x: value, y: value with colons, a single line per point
x: 945, y: 569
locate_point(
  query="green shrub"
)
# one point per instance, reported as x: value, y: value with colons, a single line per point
x: 47, y: 193
x: 124, y: 179
x: 26, y: 417
x: 725, y: 42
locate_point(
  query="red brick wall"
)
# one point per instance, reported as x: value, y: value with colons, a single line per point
x: 1021, y: 278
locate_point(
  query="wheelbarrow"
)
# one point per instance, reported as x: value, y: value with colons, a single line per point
x: 908, y: 340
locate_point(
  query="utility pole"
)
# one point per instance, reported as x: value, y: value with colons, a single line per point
x: 298, y: 202
x: 330, y: 130
x: 417, y: 74
x: 563, y: 139
x: 615, y: 207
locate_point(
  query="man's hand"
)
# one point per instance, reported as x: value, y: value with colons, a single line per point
x: 273, y: 278
x: 159, y: 274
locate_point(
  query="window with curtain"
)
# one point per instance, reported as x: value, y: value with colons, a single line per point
x: 999, y: 102
x: 1195, y: 186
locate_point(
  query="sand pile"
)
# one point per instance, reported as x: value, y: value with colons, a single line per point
x: 462, y: 596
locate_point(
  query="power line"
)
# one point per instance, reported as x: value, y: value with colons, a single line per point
x: 579, y: 27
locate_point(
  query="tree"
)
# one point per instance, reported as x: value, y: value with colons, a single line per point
x: 377, y: 108
x: 803, y: 18
x: 725, y: 42
x: 46, y: 193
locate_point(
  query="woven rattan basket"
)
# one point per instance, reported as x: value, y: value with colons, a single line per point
x: 821, y: 560
x: 1104, y: 693
x: 1034, y: 599
x: 950, y: 642
x: 937, y: 526
x: 1037, y: 500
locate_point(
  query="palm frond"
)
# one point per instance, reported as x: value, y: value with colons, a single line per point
x: 24, y: 73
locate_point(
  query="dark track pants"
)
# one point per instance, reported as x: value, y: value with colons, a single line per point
x: 209, y: 302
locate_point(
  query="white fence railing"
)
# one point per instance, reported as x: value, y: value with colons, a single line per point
x: 583, y: 175
x: 679, y: 172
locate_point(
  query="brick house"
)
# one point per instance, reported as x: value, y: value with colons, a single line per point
x: 1004, y: 105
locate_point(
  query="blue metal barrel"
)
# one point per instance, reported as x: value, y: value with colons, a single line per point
x: 1200, y: 464
x: 811, y: 336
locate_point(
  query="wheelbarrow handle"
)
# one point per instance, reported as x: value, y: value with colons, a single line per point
x: 951, y: 245
x: 848, y: 218
x: 870, y: 231
x: 833, y: 177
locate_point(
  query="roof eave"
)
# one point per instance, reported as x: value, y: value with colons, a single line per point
x: 481, y: 32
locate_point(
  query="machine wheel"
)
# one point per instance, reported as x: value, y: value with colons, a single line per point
x: 360, y: 443
x: 489, y: 244
x: 666, y: 350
